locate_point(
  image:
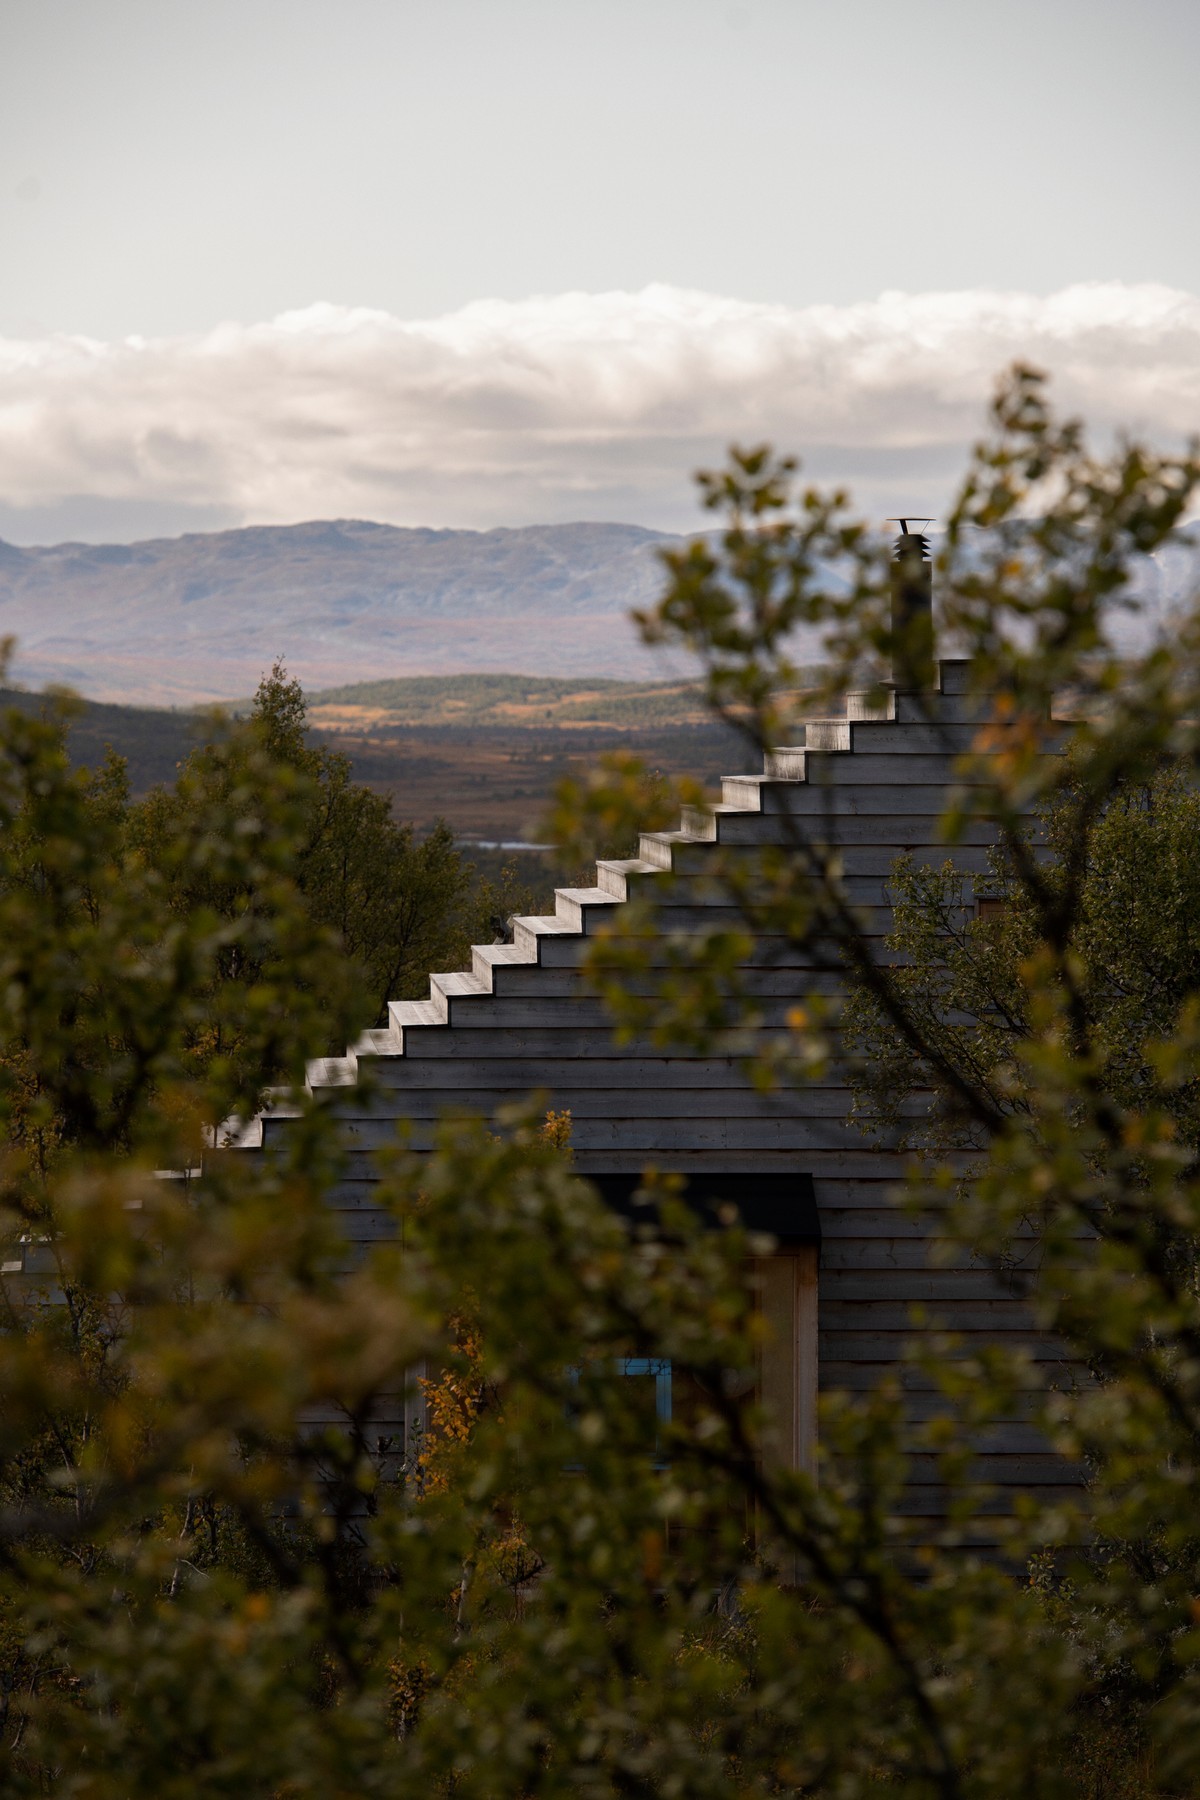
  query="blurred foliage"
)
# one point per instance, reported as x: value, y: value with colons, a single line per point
x: 1051, y: 1039
x: 221, y: 1573
x: 958, y: 961
x: 141, y: 960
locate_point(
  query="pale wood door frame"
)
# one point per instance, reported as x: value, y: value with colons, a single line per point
x: 786, y: 1285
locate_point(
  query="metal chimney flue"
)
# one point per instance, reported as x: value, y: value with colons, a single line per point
x: 912, y: 605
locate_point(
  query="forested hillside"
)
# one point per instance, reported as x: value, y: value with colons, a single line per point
x: 482, y: 752
x: 509, y: 700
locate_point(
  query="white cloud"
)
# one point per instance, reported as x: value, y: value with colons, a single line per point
x: 574, y: 406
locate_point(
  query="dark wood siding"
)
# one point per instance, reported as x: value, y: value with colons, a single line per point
x: 522, y: 1019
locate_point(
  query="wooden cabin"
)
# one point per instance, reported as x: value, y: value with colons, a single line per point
x: 851, y: 1263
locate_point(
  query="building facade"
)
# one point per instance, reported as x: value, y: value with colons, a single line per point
x: 851, y: 1262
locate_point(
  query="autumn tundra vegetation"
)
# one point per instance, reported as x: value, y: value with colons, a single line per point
x: 215, y: 1578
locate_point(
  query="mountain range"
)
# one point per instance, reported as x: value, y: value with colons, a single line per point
x: 186, y: 620
x: 175, y: 621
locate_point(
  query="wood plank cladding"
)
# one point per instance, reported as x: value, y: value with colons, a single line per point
x: 851, y: 1262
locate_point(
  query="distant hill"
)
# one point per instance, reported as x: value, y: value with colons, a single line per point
x: 178, y: 620
x: 153, y: 740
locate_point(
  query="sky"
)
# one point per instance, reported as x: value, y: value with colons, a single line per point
x: 496, y: 262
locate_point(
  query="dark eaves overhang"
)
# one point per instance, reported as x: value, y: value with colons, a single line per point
x: 783, y: 1205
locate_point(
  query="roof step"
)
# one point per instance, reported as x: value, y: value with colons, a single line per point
x: 825, y: 734
x: 572, y: 905
x: 381, y: 1042
x: 658, y: 847
x: 859, y: 704
x: 404, y: 1014
x: 241, y: 1134
x: 743, y: 793
x: 487, y: 958
x: 790, y: 761
x: 699, y: 824
x: 615, y: 877
x: 331, y: 1072
x: 749, y: 791
x: 455, y: 986
x: 527, y: 932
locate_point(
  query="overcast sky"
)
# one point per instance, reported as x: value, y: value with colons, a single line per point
x: 486, y: 262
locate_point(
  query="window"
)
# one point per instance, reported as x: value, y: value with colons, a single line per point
x: 649, y: 1383
x: 647, y: 1389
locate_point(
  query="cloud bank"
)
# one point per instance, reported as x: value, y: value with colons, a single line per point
x: 576, y: 406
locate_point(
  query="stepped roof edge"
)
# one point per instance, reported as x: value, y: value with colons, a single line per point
x: 576, y: 908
